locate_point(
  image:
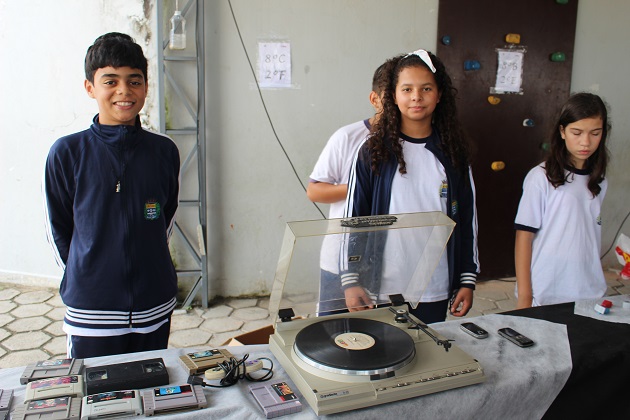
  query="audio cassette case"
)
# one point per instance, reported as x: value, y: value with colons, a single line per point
x: 342, y: 360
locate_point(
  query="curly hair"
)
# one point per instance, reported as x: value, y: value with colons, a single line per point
x: 578, y: 107
x: 384, y: 138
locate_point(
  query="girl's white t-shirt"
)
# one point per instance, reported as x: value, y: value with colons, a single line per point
x: 566, y: 249
x: 422, y: 189
x: 333, y: 167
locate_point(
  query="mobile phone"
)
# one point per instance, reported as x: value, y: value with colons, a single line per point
x: 474, y: 330
x: 516, y: 337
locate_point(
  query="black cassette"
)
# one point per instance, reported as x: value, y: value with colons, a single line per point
x: 51, y: 369
x: 131, y: 375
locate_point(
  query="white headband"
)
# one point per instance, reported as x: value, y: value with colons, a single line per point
x: 424, y: 56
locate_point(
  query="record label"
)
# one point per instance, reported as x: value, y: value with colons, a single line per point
x: 354, y: 341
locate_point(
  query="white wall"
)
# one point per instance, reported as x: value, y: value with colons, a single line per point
x: 43, y: 45
x: 600, y: 65
x: 336, y: 45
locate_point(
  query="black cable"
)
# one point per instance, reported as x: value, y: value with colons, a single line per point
x: 235, y: 370
x: 615, y: 237
x: 262, y: 100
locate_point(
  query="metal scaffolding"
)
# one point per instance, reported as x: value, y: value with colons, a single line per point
x: 182, y: 117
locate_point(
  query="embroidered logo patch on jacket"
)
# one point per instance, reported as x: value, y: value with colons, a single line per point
x: 151, y: 210
x: 444, y: 189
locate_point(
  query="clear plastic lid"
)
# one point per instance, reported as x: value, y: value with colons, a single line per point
x: 384, y: 255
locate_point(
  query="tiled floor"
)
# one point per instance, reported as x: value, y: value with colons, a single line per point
x: 31, y: 318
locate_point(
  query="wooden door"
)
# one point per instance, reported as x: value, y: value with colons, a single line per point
x: 500, y: 133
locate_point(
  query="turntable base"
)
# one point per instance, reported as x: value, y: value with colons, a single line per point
x: 432, y: 369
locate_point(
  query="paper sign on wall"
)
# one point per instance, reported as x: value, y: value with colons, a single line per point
x: 509, y: 71
x: 274, y: 64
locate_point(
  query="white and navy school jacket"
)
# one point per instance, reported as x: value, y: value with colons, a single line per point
x: 370, y: 194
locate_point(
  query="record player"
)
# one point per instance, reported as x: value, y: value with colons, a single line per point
x: 342, y: 361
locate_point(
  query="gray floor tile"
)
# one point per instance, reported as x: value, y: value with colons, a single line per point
x: 29, y: 310
x: 189, y: 338
x: 22, y: 358
x: 250, y: 314
x: 241, y: 303
x: 219, y: 325
x: 36, y: 296
x: 56, y: 346
x: 8, y: 293
x: 7, y: 306
x: 26, y: 341
x: 35, y: 323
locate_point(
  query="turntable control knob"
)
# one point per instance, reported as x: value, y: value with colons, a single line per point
x: 401, y: 316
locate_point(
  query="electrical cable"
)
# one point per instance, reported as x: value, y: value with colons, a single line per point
x: 235, y: 370
x: 262, y: 100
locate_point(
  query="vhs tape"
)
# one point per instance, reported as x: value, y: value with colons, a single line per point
x: 6, y: 396
x: 201, y: 361
x: 173, y: 398
x: 131, y: 375
x: 50, y: 369
x: 111, y: 405
x: 63, y: 386
x: 276, y: 399
x: 52, y: 409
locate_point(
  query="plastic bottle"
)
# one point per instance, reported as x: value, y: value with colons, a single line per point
x: 177, y: 39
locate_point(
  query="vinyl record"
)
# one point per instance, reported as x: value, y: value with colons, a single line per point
x: 354, y: 346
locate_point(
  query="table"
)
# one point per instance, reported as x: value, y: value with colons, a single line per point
x: 500, y: 396
x: 598, y: 384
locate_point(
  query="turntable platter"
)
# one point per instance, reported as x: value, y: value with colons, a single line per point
x: 354, y: 346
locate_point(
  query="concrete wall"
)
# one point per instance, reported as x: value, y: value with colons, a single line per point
x: 43, y: 45
x: 600, y: 65
x: 252, y: 189
x: 335, y: 46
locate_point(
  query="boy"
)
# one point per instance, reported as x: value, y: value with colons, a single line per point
x: 111, y: 194
x: 329, y: 180
x: 329, y: 184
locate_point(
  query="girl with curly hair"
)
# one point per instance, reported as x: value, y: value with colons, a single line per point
x: 417, y: 159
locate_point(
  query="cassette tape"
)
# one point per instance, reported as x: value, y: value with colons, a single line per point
x: 52, y: 409
x: 173, y: 398
x: 63, y: 386
x: 201, y: 361
x: 6, y: 396
x: 111, y: 404
x: 50, y: 369
x: 276, y: 399
x: 131, y: 375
